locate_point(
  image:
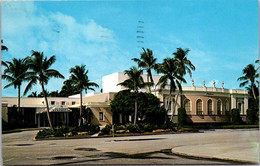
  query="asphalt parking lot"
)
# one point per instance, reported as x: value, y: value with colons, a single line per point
x: 20, y: 148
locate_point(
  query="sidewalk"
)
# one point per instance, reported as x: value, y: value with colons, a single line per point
x: 23, y: 129
x: 247, y: 152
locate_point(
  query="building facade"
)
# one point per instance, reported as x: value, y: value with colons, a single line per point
x: 202, y: 104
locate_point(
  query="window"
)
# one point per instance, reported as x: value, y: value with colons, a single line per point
x: 63, y: 103
x: 210, y: 111
x: 199, y: 107
x: 187, y: 106
x: 219, y: 107
x: 101, y: 116
x: 73, y: 103
x: 52, y: 102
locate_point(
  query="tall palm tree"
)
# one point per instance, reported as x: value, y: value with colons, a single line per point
x: 67, y: 89
x: 134, y: 83
x: 41, y: 73
x: 170, y: 72
x: 147, y: 62
x: 3, y: 47
x: 15, y: 74
x: 250, y: 75
x: 184, y: 65
x: 79, y: 79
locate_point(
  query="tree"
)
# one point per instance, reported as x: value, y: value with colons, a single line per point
x: 147, y: 62
x: 79, y: 80
x: 41, y: 73
x: 250, y: 75
x: 170, y: 72
x: 54, y: 94
x: 3, y: 47
x: 33, y: 94
x: 184, y: 65
x: 15, y: 73
x: 134, y: 82
x: 67, y: 89
x: 149, y: 109
x: 182, y: 116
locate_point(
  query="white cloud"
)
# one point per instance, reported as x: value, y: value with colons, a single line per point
x: 26, y: 27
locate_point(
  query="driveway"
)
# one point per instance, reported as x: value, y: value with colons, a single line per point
x: 20, y: 148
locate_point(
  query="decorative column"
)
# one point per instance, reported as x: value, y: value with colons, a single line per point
x: 245, y: 104
x: 233, y: 102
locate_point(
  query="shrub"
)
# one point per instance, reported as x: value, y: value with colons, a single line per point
x: 59, y: 133
x: 132, y: 128
x: 235, y: 117
x: 119, y: 127
x: 251, y: 116
x: 44, y: 133
x: 182, y: 116
x: 106, y: 130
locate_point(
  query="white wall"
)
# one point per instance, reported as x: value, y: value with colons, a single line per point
x: 109, y: 82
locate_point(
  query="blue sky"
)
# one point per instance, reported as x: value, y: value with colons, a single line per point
x: 222, y: 35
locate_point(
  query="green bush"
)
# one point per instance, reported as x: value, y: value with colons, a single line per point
x: 106, y: 130
x: 251, y: 116
x: 59, y: 132
x: 44, y: 133
x: 132, y: 128
x: 119, y: 127
x: 182, y: 116
x: 235, y: 117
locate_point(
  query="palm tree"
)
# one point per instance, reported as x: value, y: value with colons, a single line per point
x: 170, y: 72
x: 3, y: 47
x: 79, y: 80
x: 184, y: 65
x: 134, y: 82
x: 15, y: 74
x: 67, y: 89
x: 250, y: 75
x: 41, y: 73
x: 147, y: 62
x: 33, y: 94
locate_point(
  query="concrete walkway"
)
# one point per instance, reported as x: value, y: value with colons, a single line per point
x: 240, y: 151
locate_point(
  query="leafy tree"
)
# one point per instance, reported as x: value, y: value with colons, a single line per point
x: 147, y: 62
x: 250, y: 76
x: 251, y: 116
x: 149, y: 110
x: 184, y: 65
x: 15, y: 74
x: 235, y: 117
x: 170, y: 72
x: 79, y: 80
x: 182, y: 116
x: 134, y: 82
x: 41, y: 73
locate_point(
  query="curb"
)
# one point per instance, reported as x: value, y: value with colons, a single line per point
x: 20, y: 130
x: 213, y: 158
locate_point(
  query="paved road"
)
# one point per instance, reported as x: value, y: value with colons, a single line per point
x: 19, y: 148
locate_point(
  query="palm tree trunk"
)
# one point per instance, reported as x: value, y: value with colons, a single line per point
x: 174, y: 107
x: 135, y: 109
x: 47, y: 107
x: 18, y: 103
x: 253, y: 91
x: 80, y: 111
x: 149, y: 88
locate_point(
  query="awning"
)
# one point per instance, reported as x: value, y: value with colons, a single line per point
x: 56, y: 108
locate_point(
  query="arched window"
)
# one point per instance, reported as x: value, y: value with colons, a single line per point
x: 187, y: 106
x: 219, y: 107
x: 210, y: 111
x: 199, y: 107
